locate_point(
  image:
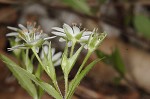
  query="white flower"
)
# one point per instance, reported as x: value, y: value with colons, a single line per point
x: 71, y: 35
x: 56, y: 57
x: 31, y: 36
x: 95, y: 40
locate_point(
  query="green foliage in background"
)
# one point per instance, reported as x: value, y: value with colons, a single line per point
x: 79, y: 5
x: 114, y: 59
x: 142, y: 25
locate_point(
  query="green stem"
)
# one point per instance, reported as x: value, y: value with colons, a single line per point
x: 39, y: 71
x: 55, y: 82
x: 83, y: 63
x: 38, y: 58
x: 66, y: 85
x: 26, y: 60
x: 72, y: 48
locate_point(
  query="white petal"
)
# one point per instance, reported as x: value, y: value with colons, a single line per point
x: 12, y: 28
x: 53, y: 51
x: 58, y: 33
x: 86, y: 46
x: 76, y: 30
x: 86, y: 33
x: 16, y: 47
x: 69, y: 29
x: 58, y: 29
x: 37, y: 49
x: 17, y: 39
x: 42, y: 54
x: 23, y: 27
x: 56, y: 56
x: 62, y: 40
x: 49, y: 38
x: 84, y: 38
x: 45, y: 48
x: 12, y: 34
x: 37, y: 36
x: 57, y: 63
x: 69, y: 44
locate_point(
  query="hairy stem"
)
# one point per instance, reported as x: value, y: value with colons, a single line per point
x: 72, y: 48
x: 83, y: 63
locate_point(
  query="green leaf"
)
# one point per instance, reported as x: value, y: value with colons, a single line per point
x: 107, y: 59
x: 118, y: 62
x: 64, y: 63
x: 114, y: 59
x: 18, y: 70
x: 27, y: 61
x: 48, y: 63
x: 76, y: 81
x: 142, y: 24
x: 23, y: 80
x: 79, y: 5
x: 73, y: 59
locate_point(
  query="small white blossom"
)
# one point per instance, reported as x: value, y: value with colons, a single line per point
x: 95, y: 40
x: 71, y: 34
x: 56, y: 57
x: 31, y: 36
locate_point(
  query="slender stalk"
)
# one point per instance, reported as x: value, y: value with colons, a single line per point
x: 26, y: 60
x: 83, y: 63
x: 38, y: 58
x: 55, y: 82
x: 66, y: 85
x: 72, y: 48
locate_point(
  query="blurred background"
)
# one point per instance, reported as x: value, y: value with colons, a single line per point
x: 125, y: 71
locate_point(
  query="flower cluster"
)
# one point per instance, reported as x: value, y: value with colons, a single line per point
x: 91, y: 39
x: 71, y: 35
x: 31, y: 36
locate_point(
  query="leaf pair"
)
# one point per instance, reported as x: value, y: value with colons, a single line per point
x: 68, y: 63
x: 76, y: 81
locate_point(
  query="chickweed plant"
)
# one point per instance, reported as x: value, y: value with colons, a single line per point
x: 30, y: 44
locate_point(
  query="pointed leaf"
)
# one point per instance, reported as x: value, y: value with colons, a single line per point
x: 142, y: 24
x: 23, y: 80
x: 76, y: 81
x: 79, y: 5
x: 18, y: 70
x: 73, y: 59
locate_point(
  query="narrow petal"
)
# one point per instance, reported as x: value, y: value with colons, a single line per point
x: 86, y: 46
x: 57, y: 63
x: 23, y: 28
x: 49, y: 38
x: 16, y: 47
x: 69, y: 29
x: 42, y: 54
x: 76, y: 30
x: 69, y: 44
x: 53, y: 51
x: 62, y: 40
x: 56, y: 56
x: 37, y: 49
x: 86, y: 33
x: 84, y: 38
x: 45, y: 48
x: 12, y: 34
x: 12, y: 28
x: 17, y: 39
x: 58, y: 33
x: 58, y: 29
